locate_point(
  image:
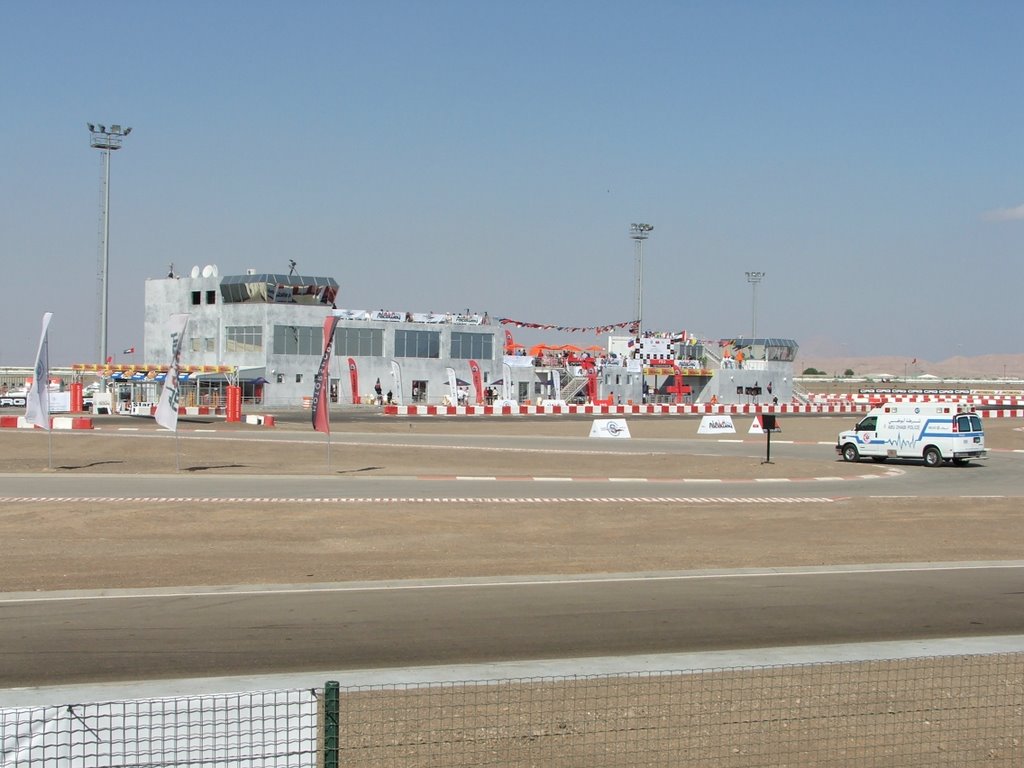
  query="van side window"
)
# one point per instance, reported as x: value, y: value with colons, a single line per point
x: 868, y: 424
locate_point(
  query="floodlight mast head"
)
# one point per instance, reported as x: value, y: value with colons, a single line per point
x: 640, y: 231
x: 106, y: 138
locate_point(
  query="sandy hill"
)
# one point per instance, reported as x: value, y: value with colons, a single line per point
x: 979, y: 366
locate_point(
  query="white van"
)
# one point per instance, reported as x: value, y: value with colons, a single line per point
x: 935, y: 432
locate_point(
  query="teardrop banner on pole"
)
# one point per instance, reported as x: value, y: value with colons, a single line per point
x: 167, y: 409
x: 506, y: 382
x: 453, y: 386
x: 353, y: 377
x: 37, y: 404
x: 321, y: 407
x: 396, y: 374
x: 478, y: 382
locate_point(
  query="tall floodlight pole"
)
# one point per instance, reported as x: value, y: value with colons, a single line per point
x: 639, y: 233
x: 106, y: 140
x: 754, y: 278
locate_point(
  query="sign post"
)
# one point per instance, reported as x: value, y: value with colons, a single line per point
x: 769, y: 425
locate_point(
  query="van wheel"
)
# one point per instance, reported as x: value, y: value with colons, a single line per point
x: 850, y: 452
x: 879, y: 459
x: 932, y: 457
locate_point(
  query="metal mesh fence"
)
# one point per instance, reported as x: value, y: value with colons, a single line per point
x: 263, y: 730
x: 901, y: 713
x: 948, y: 711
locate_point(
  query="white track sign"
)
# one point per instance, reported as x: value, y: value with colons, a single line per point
x: 609, y: 428
x: 716, y: 425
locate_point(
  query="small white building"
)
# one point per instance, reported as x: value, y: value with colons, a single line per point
x: 270, y: 326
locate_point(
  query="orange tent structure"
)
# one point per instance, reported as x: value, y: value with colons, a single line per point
x: 540, y: 349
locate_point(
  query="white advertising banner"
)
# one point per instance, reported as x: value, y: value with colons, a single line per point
x: 716, y: 425
x: 274, y: 729
x: 60, y: 402
x: 519, y: 361
x: 351, y: 314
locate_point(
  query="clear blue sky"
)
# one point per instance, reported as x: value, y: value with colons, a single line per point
x: 438, y: 156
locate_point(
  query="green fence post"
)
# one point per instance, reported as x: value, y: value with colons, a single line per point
x: 332, y: 698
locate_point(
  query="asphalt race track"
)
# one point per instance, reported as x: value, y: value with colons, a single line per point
x: 195, y: 634
x: 172, y: 631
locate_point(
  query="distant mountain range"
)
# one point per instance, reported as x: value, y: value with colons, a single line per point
x: 979, y: 366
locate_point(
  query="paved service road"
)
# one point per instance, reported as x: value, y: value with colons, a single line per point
x: 57, y: 639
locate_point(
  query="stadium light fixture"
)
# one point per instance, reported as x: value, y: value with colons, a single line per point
x: 638, y: 233
x: 105, y: 141
x: 754, y: 278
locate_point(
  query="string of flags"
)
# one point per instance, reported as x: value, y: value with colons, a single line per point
x: 631, y: 325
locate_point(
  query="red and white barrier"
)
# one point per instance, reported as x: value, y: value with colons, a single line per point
x: 56, y: 422
x: 262, y: 420
x: 617, y: 410
x: 652, y: 409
